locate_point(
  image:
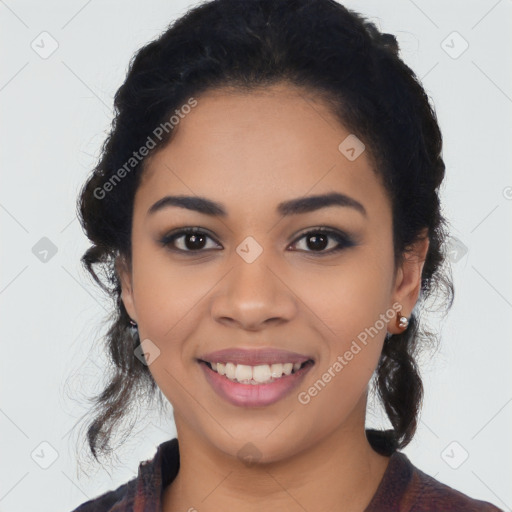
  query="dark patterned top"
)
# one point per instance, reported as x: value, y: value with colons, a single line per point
x: 403, y: 488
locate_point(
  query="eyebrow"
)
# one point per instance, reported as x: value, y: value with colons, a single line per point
x: 291, y: 207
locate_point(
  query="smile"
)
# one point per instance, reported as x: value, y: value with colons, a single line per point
x: 254, y: 375
x: 254, y: 378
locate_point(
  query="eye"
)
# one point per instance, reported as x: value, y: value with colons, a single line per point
x: 318, y: 239
x: 192, y: 240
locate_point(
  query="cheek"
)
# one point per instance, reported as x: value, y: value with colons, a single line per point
x: 168, y: 303
x: 349, y: 297
x: 332, y: 398
x: 172, y: 301
x: 167, y: 296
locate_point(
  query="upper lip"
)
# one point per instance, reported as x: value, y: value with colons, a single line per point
x: 254, y: 357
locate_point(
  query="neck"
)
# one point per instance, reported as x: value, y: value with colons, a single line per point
x: 340, y: 472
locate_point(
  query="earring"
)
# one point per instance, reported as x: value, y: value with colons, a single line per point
x: 401, y: 321
x: 132, y: 323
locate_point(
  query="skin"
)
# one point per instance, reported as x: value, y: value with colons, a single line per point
x: 251, y: 151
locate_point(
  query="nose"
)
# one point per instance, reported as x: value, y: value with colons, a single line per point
x: 253, y: 295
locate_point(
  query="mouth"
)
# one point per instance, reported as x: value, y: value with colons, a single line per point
x: 254, y: 378
x: 255, y: 375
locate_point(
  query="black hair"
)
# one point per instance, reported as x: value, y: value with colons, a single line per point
x: 323, y: 48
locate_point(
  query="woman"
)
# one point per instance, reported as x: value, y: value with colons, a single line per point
x: 266, y: 214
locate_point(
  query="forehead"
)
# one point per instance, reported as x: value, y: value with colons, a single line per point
x: 264, y: 145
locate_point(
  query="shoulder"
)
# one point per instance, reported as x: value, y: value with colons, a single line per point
x: 405, y: 488
x: 426, y: 494
x: 144, y: 490
x: 108, y: 500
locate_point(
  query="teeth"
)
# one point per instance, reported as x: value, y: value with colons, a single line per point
x: 276, y: 370
x: 243, y: 372
x: 259, y: 374
x: 230, y: 371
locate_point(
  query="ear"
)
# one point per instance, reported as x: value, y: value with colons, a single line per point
x: 408, y: 278
x: 125, y: 276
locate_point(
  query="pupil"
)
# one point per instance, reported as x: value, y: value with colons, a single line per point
x: 193, y: 239
x: 316, y: 244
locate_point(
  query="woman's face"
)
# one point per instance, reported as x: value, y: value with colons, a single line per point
x: 259, y: 281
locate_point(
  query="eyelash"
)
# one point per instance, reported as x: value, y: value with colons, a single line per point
x: 344, y: 241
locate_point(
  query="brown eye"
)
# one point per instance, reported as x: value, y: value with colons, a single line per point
x: 318, y: 240
x: 187, y: 240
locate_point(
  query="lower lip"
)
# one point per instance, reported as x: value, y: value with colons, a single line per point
x: 254, y: 395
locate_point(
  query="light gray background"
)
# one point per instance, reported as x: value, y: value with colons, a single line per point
x: 54, y: 115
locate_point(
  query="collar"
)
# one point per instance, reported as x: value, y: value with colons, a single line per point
x: 156, y: 474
